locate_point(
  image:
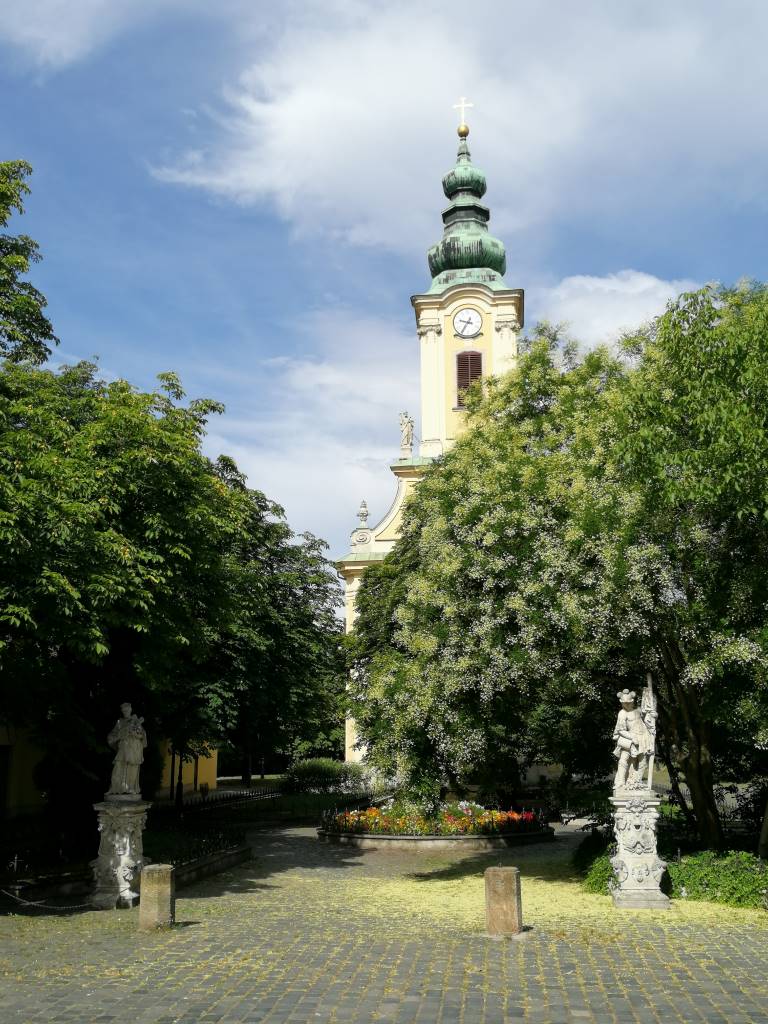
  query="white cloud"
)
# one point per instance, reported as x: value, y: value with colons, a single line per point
x: 323, y: 434
x: 54, y: 33
x: 320, y: 431
x: 339, y: 118
x: 598, y: 309
x: 343, y: 125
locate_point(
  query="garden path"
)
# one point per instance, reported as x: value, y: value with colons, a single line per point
x: 312, y: 933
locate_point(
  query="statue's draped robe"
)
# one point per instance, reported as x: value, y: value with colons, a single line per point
x: 129, y: 738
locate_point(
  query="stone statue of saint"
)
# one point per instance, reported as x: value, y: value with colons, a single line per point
x: 406, y: 431
x: 635, y: 740
x: 128, y: 739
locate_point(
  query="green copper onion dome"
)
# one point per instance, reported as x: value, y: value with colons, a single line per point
x: 467, y: 253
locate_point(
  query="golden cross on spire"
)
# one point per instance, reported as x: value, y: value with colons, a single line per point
x: 462, y: 107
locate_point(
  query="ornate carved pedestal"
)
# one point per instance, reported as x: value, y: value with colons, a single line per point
x: 117, y: 868
x: 637, y: 866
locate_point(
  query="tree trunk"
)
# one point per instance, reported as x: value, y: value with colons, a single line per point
x: 246, y: 767
x: 180, y: 786
x: 674, y: 781
x: 697, y: 766
x: 762, y: 846
x: 687, y: 737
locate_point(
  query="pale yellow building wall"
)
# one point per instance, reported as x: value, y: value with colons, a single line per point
x: 391, y: 530
x: 21, y: 796
x: 456, y: 417
x: 367, y: 546
x: 501, y: 316
x: 206, y: 771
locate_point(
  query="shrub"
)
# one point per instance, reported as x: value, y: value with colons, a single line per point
x: 735, y: 878
x: 599, y: 875
x: 324, y: 775
x: 593, y: 846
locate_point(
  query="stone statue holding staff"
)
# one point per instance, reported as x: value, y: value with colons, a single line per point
x: 635, y: 736
x: 637, y: 867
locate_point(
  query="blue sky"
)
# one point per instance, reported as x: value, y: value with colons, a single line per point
x: 244, y: 192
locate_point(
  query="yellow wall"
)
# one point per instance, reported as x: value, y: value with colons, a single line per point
x: 21, y: 796
x: 351, y: 752
x: 407, y: 480
x: 455, y: 417
x: 206, y: 772
x: 501, y: 315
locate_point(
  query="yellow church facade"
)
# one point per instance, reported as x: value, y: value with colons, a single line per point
x: 467, y: 327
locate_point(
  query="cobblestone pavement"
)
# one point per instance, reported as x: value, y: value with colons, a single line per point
x: 309, y: 933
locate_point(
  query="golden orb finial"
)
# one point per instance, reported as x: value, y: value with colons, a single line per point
x: 462, y: 106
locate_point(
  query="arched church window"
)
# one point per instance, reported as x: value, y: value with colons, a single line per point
x: 469, y: 366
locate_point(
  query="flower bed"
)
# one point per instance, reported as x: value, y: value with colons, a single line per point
x: 461, y: 819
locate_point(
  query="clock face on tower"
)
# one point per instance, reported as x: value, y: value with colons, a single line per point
x: 467, y: 323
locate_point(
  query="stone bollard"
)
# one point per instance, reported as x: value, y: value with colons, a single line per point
x: 503, y: 906
x: 157, y: 905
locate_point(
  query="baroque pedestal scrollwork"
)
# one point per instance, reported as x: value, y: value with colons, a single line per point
x: 120, y: 859
x: 637, y: 867
x: 122, y: 816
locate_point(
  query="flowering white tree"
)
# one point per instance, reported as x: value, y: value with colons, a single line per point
x: 596, y: 521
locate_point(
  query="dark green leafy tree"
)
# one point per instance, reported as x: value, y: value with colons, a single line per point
x: 282, y: 652
x: 25, y: 331
x: 136, y: 569
x: 691, y: 433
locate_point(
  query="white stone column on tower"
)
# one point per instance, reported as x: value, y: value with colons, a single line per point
x: 505, y: 344
x: 432, y: 413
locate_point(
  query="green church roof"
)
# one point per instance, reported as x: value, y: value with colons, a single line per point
x: 467, y: 253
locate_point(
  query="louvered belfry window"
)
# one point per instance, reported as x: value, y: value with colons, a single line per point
x: 469, y: 366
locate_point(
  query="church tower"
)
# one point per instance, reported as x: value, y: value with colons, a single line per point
x: 467, y: 325
x: 468, y: 321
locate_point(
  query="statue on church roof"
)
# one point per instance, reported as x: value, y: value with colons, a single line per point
x: 406, y: 435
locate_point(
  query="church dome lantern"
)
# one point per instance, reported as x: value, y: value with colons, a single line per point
x: 467, y: 252
x: 464, y: 177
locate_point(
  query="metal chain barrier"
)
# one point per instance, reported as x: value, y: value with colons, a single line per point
x: 46, y: 906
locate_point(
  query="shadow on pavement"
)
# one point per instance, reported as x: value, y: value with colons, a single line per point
x: 546, y: 862
x: 275, y: 852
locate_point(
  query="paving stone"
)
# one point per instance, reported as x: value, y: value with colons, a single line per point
x: 304, y: 934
